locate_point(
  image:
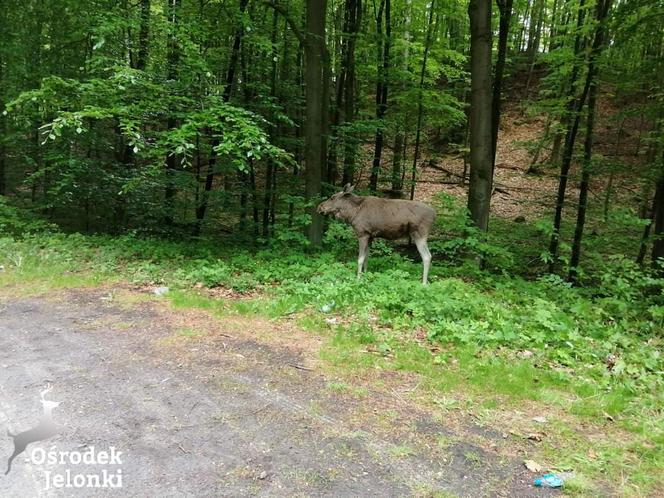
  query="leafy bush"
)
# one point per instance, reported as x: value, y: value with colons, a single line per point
x: 16, y: 222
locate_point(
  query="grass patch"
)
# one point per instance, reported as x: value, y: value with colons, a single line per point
x: 490, y: 342
x: 401, y: 451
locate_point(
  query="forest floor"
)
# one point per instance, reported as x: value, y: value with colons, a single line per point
x: 520, y: 193
x: 237, y: 407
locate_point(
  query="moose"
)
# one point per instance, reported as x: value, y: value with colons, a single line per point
x: 390, y: 219
x: 45, y: 429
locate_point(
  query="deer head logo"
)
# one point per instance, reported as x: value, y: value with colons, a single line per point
x: 45, y: 429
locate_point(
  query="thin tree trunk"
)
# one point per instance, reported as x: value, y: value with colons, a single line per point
x: 399, y: 156
x: 3, y: 149
x: 397, y: 163
x: 552, y: 27
x: 481, y: 148
x: 299, y: 153
x: 254, y: 197
x: 466, y: 150
x: 173, y: 61
x: 658, y: 224
x: 505, y: 7
x: 587, y: 158
x: 609, y: 186
x: 350, y: 144
x: 143, y: 36
x: 336, y: 116
x: 522, y: 32
x: 226, y: 96
x: 532, y: 168
x: 270, y: 167
x: 534, y: 40
x: 382, y: 85
x: 573, y: 110
x: 314, y: 54
x: 3, y: 124
x: 420, y: 110
x: 647, y: 210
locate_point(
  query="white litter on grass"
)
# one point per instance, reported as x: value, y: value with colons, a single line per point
x: 160, y: 291
x: 326, y: 308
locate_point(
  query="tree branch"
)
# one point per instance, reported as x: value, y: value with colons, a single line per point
x: 294, y: 27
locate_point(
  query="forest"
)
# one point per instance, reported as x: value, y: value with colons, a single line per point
x: 185, y: 145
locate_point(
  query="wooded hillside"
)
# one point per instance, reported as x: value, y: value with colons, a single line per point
x: 207, y: 117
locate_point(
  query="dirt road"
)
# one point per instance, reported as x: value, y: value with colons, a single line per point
x: 215, y: 414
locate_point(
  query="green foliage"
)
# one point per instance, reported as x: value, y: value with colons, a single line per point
x: 15, y: 222
x: 575, y: 330
x: 460, y: 240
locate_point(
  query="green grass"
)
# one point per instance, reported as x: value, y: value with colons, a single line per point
x: 501, y: 341
x: 401, y: 451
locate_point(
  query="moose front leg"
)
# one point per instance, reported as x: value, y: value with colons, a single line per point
x: 362, y: 255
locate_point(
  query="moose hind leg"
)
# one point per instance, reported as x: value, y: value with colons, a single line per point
x: 362, y: 255
x: 423, y: 249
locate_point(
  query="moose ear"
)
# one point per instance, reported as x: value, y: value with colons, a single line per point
x: 348, y: 188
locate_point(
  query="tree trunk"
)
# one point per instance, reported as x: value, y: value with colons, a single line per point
x: 420, y: 109
x: 481, y: 148
x: 535, y: 16
x: 381, y: 87
x: 522, y: 31
x: 350, y: 144
x: 505, y: 7
x: 658, y: 224
x: 3, y: 124
x: 314, y: 54
x: 397, y: 163
x: 3, y: 149
x: 603, y: 7
x: 143, y: 36
x: 3, y: 152
x: 552, y: 27
x: 270, y: 166
x: 226, y: 96
x: 573, y: 111
x: 399, y: 156
x: 254, y: 197
x: 609, y: 185
x: 336, y: 116
x: 173, y: 61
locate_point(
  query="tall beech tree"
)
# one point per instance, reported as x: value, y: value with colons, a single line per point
x: 315, y: 60
x: 481, y: 143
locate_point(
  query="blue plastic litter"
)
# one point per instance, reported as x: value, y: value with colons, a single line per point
x: 549, y: 481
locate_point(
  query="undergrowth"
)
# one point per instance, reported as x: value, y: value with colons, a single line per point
x: 524, y: 338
